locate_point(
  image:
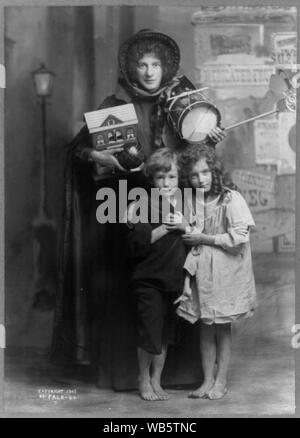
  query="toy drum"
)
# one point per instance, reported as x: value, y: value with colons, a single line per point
x: 192, y: 115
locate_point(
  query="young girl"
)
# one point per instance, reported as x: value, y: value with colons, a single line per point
x: 219, y: 265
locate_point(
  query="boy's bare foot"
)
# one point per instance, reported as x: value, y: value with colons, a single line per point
x: 218, y: 391
x: 146, y: 392
x: 202, y: 391
x: 159, y: 391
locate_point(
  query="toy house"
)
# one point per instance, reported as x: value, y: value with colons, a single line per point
x: 112, y: 127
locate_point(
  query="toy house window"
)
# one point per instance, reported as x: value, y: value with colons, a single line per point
x: 129, y: 133
x: 119, y: 135
x: 100, y: 140
x: 111, y: 137
x: 111, y: 122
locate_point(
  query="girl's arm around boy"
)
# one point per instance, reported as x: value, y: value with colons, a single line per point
x: 239, y: 222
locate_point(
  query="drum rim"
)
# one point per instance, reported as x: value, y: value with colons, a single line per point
x: 174, y: 99
x: 169, y: 115
x: 180, y: 121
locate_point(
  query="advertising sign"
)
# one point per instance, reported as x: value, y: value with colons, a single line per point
x: 257, y: 189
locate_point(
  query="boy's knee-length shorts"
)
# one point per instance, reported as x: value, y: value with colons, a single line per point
x: 156, y: 318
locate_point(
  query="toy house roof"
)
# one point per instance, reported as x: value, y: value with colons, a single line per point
x: 125, y: 113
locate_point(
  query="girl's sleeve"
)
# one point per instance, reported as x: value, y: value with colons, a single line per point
x: 237, y: 215
x: 191, y: 263
x: 139, y: 235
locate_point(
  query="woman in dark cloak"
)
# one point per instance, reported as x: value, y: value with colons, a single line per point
x: 94, y: 322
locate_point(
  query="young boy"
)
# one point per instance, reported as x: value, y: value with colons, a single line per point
x: 157, y: 278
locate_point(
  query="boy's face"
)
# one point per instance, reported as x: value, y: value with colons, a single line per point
x: 166, y: 182
x: 200, y: 176
x: 149, y: 72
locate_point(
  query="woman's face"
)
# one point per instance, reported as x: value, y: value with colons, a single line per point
x: 149, y: 72
x: 200, y: 176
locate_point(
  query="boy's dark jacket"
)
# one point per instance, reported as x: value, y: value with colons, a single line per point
x: 158, y: 264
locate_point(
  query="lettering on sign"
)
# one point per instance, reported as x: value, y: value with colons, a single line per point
x: 257, y: 189
x: 257, y: 199
x: 284, y: 47
x: 266, y: 141
x: 250, y: 179
x: 235, y: 75
x: 223, y: 44
x: 286, y: 243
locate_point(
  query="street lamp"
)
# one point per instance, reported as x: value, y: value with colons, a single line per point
x: 43, y: 80
x: 43, y: 226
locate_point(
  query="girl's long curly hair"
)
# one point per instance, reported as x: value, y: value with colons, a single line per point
x: 221, y: 181
x: 140, y: 48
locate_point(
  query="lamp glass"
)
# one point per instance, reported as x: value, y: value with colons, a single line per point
x: 43, y: 81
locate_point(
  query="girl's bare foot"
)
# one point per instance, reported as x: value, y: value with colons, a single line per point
x: 202, y: 391
x: 159, y: 391
x: 218, y: 391
x: 146, y: 391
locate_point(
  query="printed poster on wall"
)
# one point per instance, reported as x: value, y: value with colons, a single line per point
x: 287, y: 143
x: 257, y: 188
x: 266, y: 141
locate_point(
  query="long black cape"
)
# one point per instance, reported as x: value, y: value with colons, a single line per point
x: 94, y: 321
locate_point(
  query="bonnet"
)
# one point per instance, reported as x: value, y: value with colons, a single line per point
x: 151, y: 36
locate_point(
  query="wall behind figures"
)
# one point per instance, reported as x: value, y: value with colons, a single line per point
x: 22, y: 147
x: 237, y: 51
x: 62, y: 38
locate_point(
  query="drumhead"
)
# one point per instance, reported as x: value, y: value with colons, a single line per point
x: 197, y: 121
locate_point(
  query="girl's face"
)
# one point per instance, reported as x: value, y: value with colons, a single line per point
x: 149, y: 72
x: 166, y: 182
x: 200, y: 176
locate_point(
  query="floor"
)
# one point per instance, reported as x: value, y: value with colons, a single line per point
x: 261, y: 380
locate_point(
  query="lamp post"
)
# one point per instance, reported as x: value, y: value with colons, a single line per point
x: 43, y: 226
x: 43, y: 80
